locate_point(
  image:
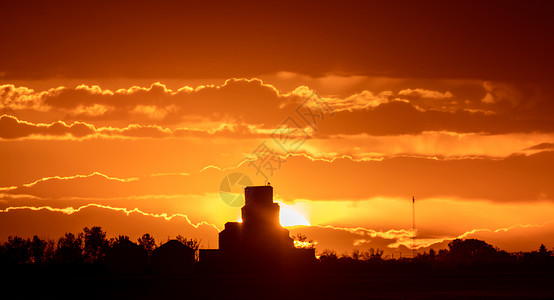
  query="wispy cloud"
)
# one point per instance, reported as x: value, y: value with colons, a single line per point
x: 72, y: 210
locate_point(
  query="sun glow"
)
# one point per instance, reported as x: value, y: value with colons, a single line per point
x: 290, y: 217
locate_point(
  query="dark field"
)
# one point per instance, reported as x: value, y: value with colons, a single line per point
x: 413, y: 285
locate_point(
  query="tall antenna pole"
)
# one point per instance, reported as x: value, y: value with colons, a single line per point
x: 413, y: 228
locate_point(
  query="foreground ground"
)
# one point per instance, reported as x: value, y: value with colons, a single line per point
x: 429, y: 285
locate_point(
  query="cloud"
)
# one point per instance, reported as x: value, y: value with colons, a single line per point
x: 20, y: 98
x: 71, y: 210
x: 442, y: 145
x: 542, y: 146
x: 422, y: 93
x: 248, y: 100
x: 236, y: 99
x: 344, y: 239
x: 54, y: 222
x: 251, y: 102
x: 13, y: 128
x: 98, y: 185
x: 426, y: 177
x: 518, y: 237
x: 399, y: 117
x: 498, y: 92
x: 517, y: 178
x: 524, y: 100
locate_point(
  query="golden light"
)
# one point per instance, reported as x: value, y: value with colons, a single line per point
x: 289, y: 217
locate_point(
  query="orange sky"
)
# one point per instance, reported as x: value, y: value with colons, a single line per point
x: 129, y: 116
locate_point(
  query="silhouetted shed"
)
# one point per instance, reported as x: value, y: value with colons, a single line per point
x: 172, y: 258
x: 126, y: 257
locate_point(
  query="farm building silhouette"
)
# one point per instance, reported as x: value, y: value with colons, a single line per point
x: 257, y: 243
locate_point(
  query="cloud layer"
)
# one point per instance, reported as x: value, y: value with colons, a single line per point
x: 247, y: 104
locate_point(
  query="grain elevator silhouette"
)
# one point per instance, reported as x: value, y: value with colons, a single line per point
x: 259, y: 242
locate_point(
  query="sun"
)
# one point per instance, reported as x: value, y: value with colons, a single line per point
x: 289, y: 217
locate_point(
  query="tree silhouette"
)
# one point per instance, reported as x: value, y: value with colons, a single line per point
x: 17, y: 250
x: 543, y: 252
x: 96, y: 244
x: 376, y: 254
x: 471, y: 251
x: 91, y: 246
x: 432, y: 254
x: 301, y: 241
x: 542, y: 257
x: 193, y: 244
x: 328, y: 255
x: 49, y: 251
x: 69, y: 249
x: 356, y: 254
x: 37, y: 248
x: 147, y: 242
x: 118, y: 240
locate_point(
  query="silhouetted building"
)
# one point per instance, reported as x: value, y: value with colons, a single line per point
x: 259, y: 242
x: 126, y: 258
x: 172, y: 258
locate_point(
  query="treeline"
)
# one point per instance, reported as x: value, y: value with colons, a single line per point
x: 461, y: 254
x: 91, y: 246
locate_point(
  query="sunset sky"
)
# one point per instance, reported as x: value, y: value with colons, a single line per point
x: 130, y: 114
